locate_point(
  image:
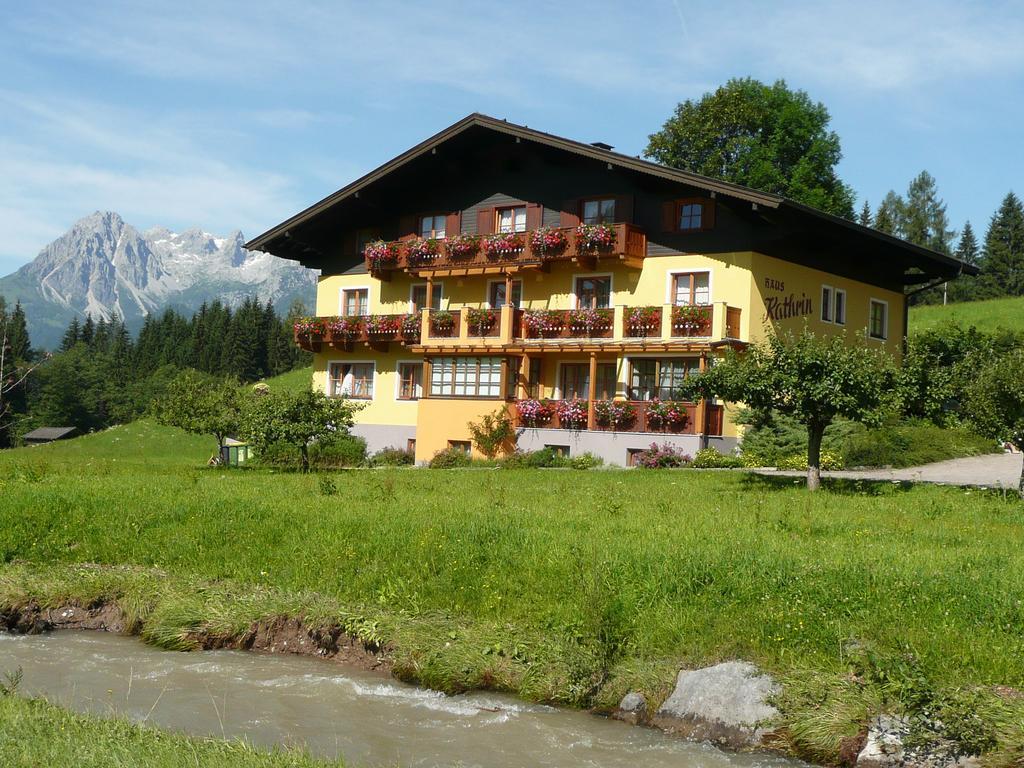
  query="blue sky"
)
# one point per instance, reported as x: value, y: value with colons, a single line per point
x: 236, y: 115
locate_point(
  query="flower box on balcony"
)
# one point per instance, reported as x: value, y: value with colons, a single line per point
x: 535, y: 413
x: 590, y: 322
x: 666, y: 415
x: 423, y: 250
x: 506, y: 245
x: 481, y: 321
x: 382, y: 255
x: 383, y: 325
x: 644, y: 321
x: 614, y: 414
x: 309, y: 328
x: 411, y: 325
x: 572, y: 414
x: 442, y: 322
x: 593, y: 238
x: 344, y: 329
x: 462, y: 246
x: 691, y: 320
x: 543, y: 322
x: 548, y: 242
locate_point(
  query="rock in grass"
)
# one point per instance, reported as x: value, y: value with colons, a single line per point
x: 632, y: 708
x: 726, y: 704
x: 884, y: 745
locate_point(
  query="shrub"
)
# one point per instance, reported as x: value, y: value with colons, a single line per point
x: 767, y: 440
x: 911, y: 444
x: 798, y: 461
x: 661, y: 457
x: 393, y: 457
x: 709, y: 458
x: 337, y: 452
x: 542, y: 459
x: 586, y: 461
x: 449, y: 458
x: 493, y: 432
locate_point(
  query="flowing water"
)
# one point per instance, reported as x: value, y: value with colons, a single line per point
x: 368, y: 718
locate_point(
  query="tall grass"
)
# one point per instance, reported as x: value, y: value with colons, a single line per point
x: 987, y: 315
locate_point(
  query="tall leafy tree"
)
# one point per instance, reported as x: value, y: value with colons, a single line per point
x: 202, y: 404
x: 1002, y: 260
x: 767, y: 137
x: 924, y: 220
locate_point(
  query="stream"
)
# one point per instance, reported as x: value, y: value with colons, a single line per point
x: 368, y: 718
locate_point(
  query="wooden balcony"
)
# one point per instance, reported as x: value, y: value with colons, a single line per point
x: 630, y: 246
x: 641, y: 420
x: 345, y: 333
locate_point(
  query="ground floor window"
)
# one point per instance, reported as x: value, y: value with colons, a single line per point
x: 462, y: 446
x: 353, y: 380
x: 410, y: 381
x: 878, y: 319
x: 575, y: 381
x: 660, y: 378
x: 465, y: 377
x: 562, y: 451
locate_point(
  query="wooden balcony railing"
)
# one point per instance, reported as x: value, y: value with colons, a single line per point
x: 313, y: 334
x: 677, y: 418
x: 629, y: 242
x: 566, y: 323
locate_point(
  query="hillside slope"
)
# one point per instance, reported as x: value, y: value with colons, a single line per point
x: 985, y: 315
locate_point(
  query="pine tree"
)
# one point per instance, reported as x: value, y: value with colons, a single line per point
x: 88, y: 330
x: 1002, y: 261
x: 966, y: 287
x: 865, y: 215
x: 923, y: 220
x: 17, y: 335
x: 889, y: 213
x: 72, y: 335
x: 967, y: 249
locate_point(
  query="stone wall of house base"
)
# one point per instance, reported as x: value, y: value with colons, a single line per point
x: 614, y: 447
x: 378, y: 436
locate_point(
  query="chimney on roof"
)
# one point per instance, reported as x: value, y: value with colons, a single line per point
x: 602, y: 145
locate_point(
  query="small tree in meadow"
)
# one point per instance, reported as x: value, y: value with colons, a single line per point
x: 297, y: 419
x: 996, y: 402
x: 493, y: 432
x: 812, y: 378
x: 201, y: 404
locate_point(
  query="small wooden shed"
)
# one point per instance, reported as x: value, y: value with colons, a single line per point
x: 48, y: 435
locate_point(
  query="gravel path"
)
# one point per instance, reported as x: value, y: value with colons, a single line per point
x: 996, y: 470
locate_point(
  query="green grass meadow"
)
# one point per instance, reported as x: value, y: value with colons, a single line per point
x: 562, y: 586
x: 988, y: 315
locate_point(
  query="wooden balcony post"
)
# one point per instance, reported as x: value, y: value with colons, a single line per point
x: 428, y: 370
x: 592, y: 392
x: 430, y: 292
x: 700, y: 421
x: 463, y: 324
x: 425, y: 325
x: 523, y: 390
x: 506, y: 316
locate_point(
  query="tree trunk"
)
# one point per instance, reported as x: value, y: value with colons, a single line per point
x: 814, y: 434
x: 304, y: 452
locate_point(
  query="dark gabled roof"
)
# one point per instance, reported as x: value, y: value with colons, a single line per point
x: 944, y: 264
x: 49, y: 433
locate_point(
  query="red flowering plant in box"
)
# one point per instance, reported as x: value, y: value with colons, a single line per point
x: 462, y: 246
x: 505, y: 245
x: 481, y: 320
x: 442, y: 320
x: 423, y: 250
x: 309, y: 327
x: 533, y: 413
x: 572, y: 414
x: 543, y: 322
x: 642, y: 320
x: 690, y: 319
x: 594, y: 237
x: 548, y: 242
x: 380, y: 325
x: 345, y: 327
x: 411, y: 324
x: 583, y: 322
x: 666, y: 414
x: 617, y: 414
x: 382, y: 254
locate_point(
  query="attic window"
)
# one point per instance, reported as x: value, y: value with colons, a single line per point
x: 691, y: 214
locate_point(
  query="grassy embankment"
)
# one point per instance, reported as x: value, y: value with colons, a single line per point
x: 34, y: 733
x: 985, y: 315
x: 570, y: 587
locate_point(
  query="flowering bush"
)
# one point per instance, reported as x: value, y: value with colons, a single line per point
x: 309, y: 326
x: 543, y: 322
x: 442, y: 320
x: 382, y: 254
x: 548, y: 241
x: 463, y: 246
x: 616, y: 414
x: 589, y: 320
x: 383, y: 324
x: 503, y: 245
x: 411, y: 324
x: 594, y: 237
x: 345, y: 326
x: 666, y: 414
x: 709, y: 458
x: 798, y: 461
x: 481, y: 320
x: 643, y: 319
x: 691, y: 319
x: 423, y: 249
x: 572, y: 414
x: 661, y: 457
x: 535, y: 412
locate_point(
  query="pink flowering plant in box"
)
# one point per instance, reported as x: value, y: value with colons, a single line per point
x: 463, y: 246
x: 382, y: 254
x: 642, y: 320
x: 411, y: 324
x: 505, y: 245
x: 666, y: 414
x: 345, y: 327
x: 423, y: 250
x: 481, y: 320
x: 594, y: 237
x: 661, y: 457
x: 309, y: 327
x: 586, y: 321
x: 380, y: 325
x: 617, y: 414
x: 548, y: 242
x: 533, y: 413
x: 543, y: 322
x: 572, y: 414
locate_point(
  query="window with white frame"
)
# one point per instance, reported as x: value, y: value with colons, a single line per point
x: 878, y: 319
x: 465, y: 377
x: 433, y: 226
x: 353, y: 380
x: 594, y: 292
x: 418, y: 296
x: 691, y: 288
x: 511, y: 219
x: 355, y: 301
x: 599, y: 211
x: 839, y: 307
x: 826, y: 304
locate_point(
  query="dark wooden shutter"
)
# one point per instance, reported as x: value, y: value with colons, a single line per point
x: 668, y: 216
x: 534, y: 215
x: 707, y: 215
x: 453, y: 224
x: 570, y: 214
x: 624, y: 209
x: 407, y: 227
x: 485, y: 221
